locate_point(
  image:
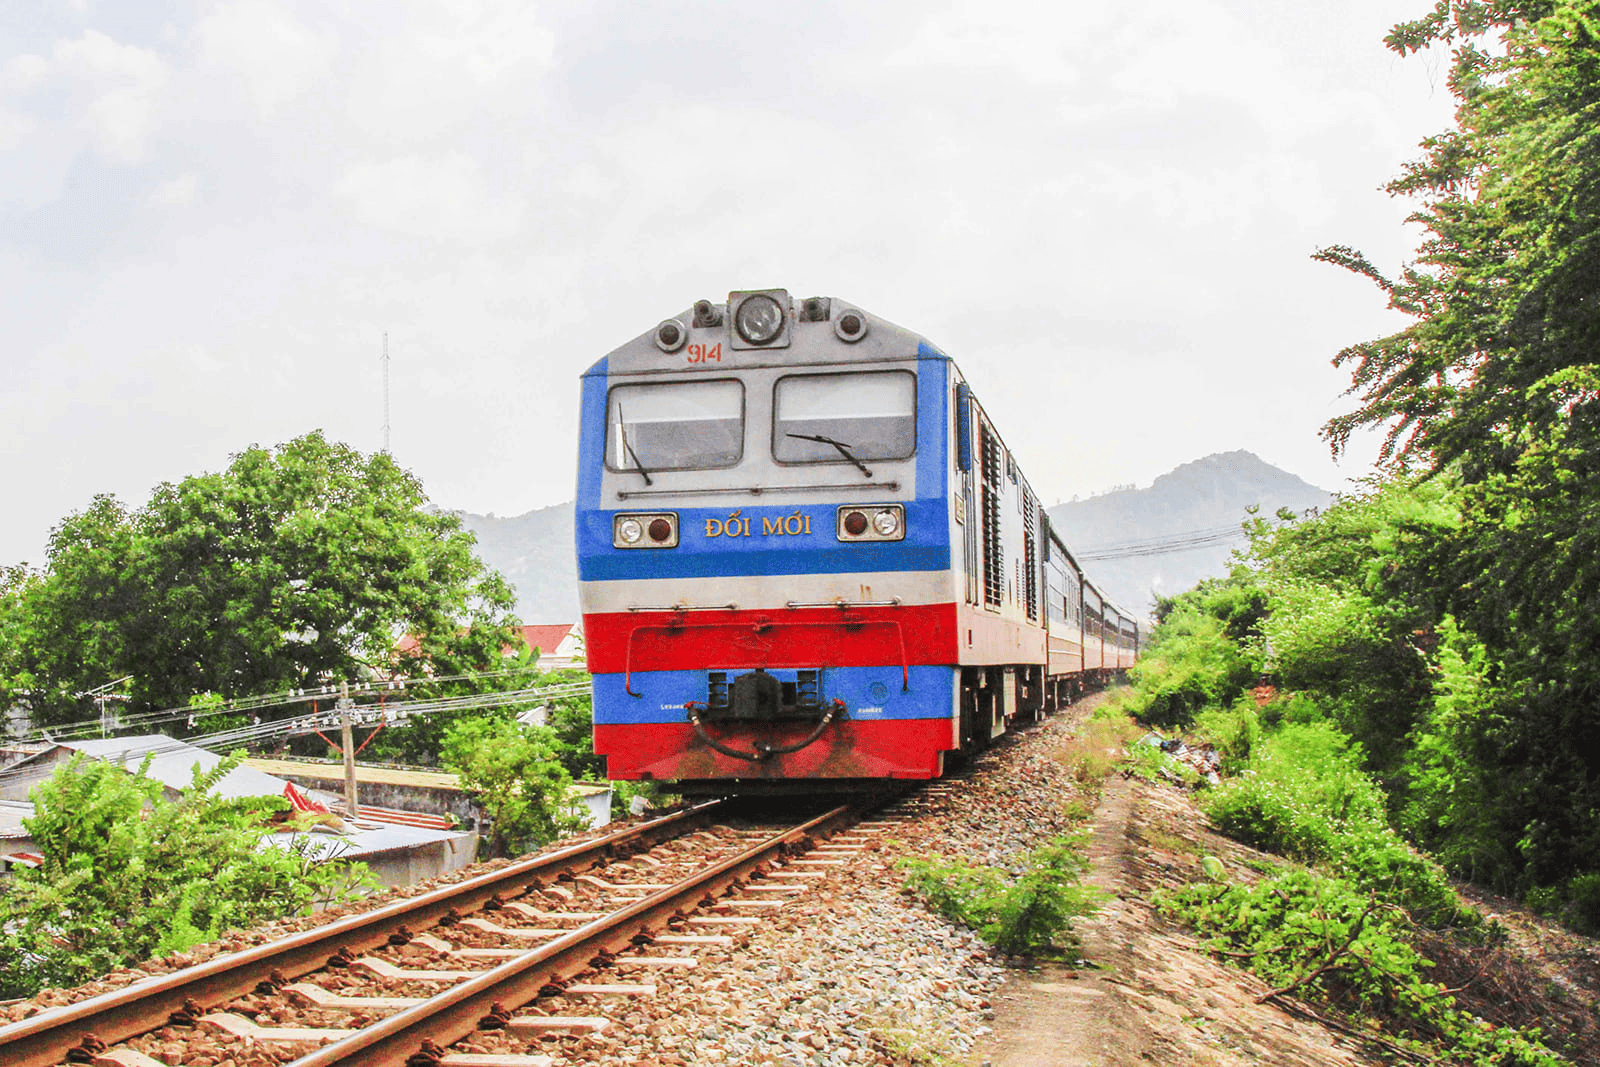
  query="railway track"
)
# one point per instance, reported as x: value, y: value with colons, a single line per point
x: 402, y: 983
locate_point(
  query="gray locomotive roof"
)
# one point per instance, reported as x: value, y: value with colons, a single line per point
x: 810, y: 343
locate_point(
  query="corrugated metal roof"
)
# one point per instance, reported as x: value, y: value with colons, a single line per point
x: 12, y: 812
x: 172, y: 764
x: 375, y: 775
x: 366, y: 842
x: 334, y: 772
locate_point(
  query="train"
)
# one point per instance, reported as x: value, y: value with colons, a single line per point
x: 807, y: 560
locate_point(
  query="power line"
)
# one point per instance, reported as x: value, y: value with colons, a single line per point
x: 1181, y: 542
x: 262, y: 701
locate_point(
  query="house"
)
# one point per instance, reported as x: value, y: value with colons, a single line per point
x: 559, y: 645
x: 171, y: 763
x: 16, y: 844
x: 400, y: 847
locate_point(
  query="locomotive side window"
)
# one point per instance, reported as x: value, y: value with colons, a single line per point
x: 674, y: 426
x: 830, y: 418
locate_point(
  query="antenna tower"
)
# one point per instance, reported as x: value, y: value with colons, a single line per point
x: 386, y: 390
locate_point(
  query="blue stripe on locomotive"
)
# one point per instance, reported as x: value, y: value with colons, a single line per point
x: 931, y: 694
x: 926, y: 546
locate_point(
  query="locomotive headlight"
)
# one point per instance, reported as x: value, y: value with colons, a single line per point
x: 760, y: 319
x: 670, y: 335
x: 872, y: 522
x: 650, y: 529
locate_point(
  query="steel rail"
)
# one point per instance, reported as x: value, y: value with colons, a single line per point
x: 416, y: 1034
x: 44, y: 1039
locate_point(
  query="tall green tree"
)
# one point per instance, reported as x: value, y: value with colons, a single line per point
x: 294, y: 566
x: 1497, y: 384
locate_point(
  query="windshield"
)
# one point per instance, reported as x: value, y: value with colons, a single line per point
x: 675, y: 425
x: 870, y: 416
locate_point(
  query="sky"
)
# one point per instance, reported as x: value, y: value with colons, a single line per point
x: 212, y: 213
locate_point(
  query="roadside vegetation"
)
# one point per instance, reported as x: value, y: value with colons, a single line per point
x: 1026, y: 909
x: 1401, y: 687
x: 129, y: 875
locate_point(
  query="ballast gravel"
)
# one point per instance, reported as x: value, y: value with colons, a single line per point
x: 855, y: 971
x: 852, y: 971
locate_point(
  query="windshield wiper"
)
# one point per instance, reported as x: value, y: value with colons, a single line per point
x: 844, y: 449
x: 622, y: 432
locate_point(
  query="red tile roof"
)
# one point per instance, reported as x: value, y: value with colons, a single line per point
x: 546, y: 638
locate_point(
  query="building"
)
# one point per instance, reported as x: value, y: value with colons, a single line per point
x: 559, y: 644
x: 401, y: 847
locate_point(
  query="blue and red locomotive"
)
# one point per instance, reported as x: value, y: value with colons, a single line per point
x: 805, y: 555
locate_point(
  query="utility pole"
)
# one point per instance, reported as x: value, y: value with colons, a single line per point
x: 385, y: 391
x: 348, y: 743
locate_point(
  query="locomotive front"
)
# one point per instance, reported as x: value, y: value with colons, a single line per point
x: 763, y: 533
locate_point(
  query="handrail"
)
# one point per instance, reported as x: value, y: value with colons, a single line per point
x: 756, y: 490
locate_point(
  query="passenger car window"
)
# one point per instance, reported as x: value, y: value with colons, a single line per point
x: 675, y: 425
x: 873, y: 415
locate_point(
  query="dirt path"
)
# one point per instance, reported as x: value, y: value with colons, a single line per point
x: 1150, y: 996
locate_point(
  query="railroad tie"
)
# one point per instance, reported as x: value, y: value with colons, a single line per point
x: 618, y: 887
x: 495, y: 928
x: 528, y: 911
x: 125, y: 1057
x: 532, y: 1027
x: 438, y: 944
x: 385, y: 969
x: 609, y: 989
x: 719, y: 940
x: 239, y: 1026
x: 317, y: 997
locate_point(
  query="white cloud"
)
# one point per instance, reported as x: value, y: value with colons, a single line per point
x: 126, y: 83
x: 278, y: 58
x: 176, y: 192
x: 443, y: 197
x: 438, y: 68
x: 981, y: 35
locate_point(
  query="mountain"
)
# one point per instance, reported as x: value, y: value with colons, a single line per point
x: 1164, y: 539
x: 535, y: 553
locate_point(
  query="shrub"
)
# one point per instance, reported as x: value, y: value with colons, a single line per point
x: 1234, y: 730
x: 1322, y: 938
x: 1190, y: 664
x: 1030, y: 912
x: 1306, y: 797
x: 128, y: 874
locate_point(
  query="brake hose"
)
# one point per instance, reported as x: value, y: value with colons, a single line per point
x: 763, y: 751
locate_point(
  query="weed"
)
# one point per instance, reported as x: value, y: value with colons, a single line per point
x: 1322, y: 938
x: 1094, y: 752
x: 1168, y: 842
x: 1029, y: 912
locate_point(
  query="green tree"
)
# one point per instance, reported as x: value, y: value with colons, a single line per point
x: 1496, y: 384
x: 516, y: 774
x: 292, y: 567
x: 128, y: 874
